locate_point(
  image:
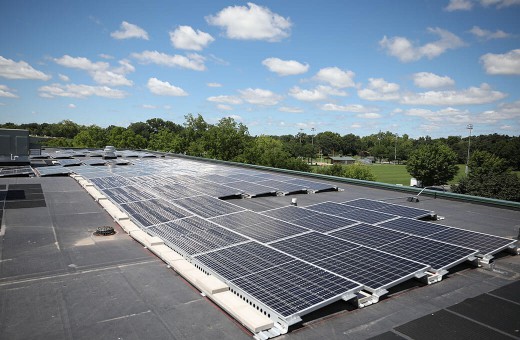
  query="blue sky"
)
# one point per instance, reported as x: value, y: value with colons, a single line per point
x: 411, y: 67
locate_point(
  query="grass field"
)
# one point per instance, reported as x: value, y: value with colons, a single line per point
x: 397, y: 174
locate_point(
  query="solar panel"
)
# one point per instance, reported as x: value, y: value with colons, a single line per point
x: 485, y: 243
x: 246, y: 178
x: 324, y: 223
x: 174, y: 191
x: 154, y: 211
x: 16, y: 171
x: 206, y: 206
x: 195, y: 235
x: 438, y: 255
x: 252, y: 189
x: 269, y: 231
x: 311, y: 185
x: 127, y: 194
x: 69, y: 162
x: 389, y: 208
x: 372, y: 268
x: 289, y: 213
x: 94, y: 162
x: 295, y: 288
x: 313, y: 246
x: 284, y: 187
x: 414, y: 227
x: 353, y: 213
x: 110, y: 182
x: 53, y: 171
x: 368, y: 235
x: 275, y: 177
x: 217, y: 178
x: 215, y: 189
x: 240, y: 219
x: 243, y: 259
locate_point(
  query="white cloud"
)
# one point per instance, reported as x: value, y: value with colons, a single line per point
x: 186, y: 38
x: 319, y: 93
x: 128, y: 31
x: 504, y: 111
x: 164, y: 88
x: 357, y: 108
x: 260, y: 97
x: 192, y: 61
x: 356, y: 126
x: 285, y: 67
x: 336, y: 77
x: 369, y: 115
x: 473, y: 95
x: 508, y: 63
x: 488, y: 35
x: 224, y: 107
x: 79, y: 91
x: 431, y: 80
x: 100, y: 71
x: 149, y: 107
x: 251, y: 23
x: 507, y: 127
x: 7, y: 92
x: 71, y: 106
x: 405, y: 51
x: 379, y: 89
x: 290, y: 109
x: 105, y: 56
x: 500, y: 3
x: 459, y: 5
x: 225, y: 99
x: 11, y: 69
x: 214, y: 84
x: 447, y: 115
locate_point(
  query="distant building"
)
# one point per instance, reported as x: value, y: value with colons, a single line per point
x: 367, y: 160
x: 342, y: 160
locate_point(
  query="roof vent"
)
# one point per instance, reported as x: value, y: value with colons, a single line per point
x: 104, y: 231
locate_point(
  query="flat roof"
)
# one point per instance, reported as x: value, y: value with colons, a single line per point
x: 57, y: 279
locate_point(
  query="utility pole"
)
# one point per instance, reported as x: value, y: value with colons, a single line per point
x: 469, y: 127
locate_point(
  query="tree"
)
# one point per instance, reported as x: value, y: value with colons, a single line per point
x: 356, y: 171
x: 91, y: 137
x: 433, y: 164
x: 165, y: 140
x: 489, y: 176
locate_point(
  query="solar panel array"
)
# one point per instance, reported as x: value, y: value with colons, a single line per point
x: 291, y: 260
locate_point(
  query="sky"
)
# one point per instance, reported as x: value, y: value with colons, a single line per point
x: 417, y: 67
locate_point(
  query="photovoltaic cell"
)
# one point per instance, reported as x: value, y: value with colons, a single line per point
x: 369, y: 235
x: 372, y: 268
x: 331, y: 208
x: 53, y: 171
x: 414, y: 227
x: 438, y: 255
x: 294, y: 287
x: 243, y: 259
x: 324, y: 223
x: 246, y: 178
x: 289, y: 213
x: 367, y: 216
x: 486, y: 244
x: 154, y: 211
x: 214, y: 189
x: 241, y: 219
x: 110, y: 182
x: 206, y: 206
x: 396, y: 209
x: 127, y: 194
x: 251, y: 189
x: 174, y: 191
x: 195, y: 235
x: 283, y: 187
x: 217, y: 178
x: 311, y: 185
x: 312, y: 247
x: 270, y: 230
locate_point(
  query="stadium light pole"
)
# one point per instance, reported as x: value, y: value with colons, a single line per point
x: 312, y: 141
x: 395, y: 148
x: 469, y: 127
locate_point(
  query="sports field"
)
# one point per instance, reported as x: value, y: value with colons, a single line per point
x: 397, y: 174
